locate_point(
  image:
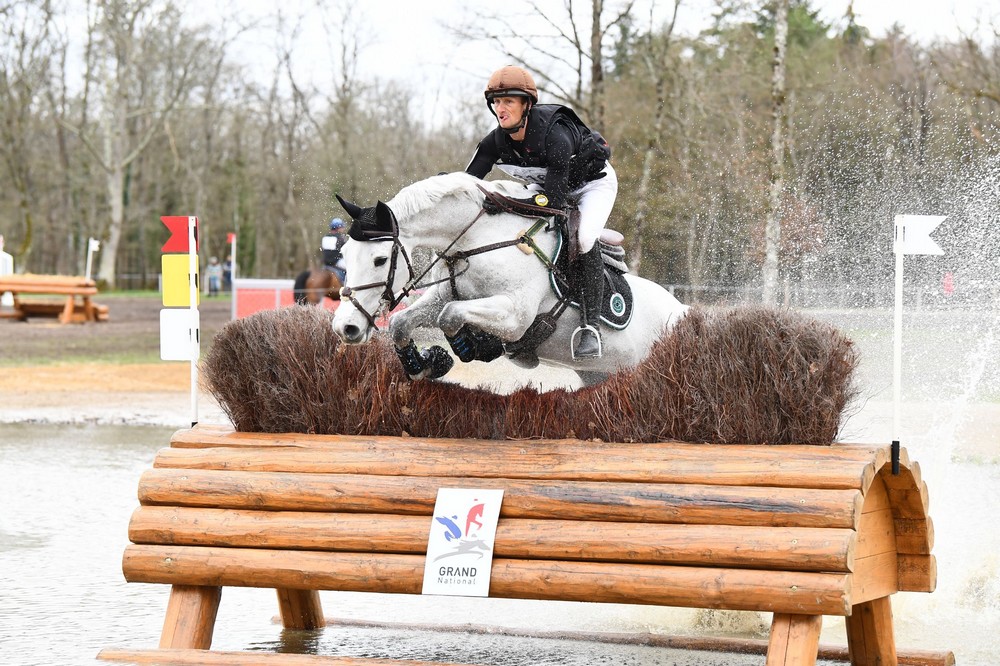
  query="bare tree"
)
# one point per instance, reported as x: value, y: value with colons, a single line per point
x: 128, y: 41
x: 772, y: 229
x: 657, y: 59
x: 25, y: 60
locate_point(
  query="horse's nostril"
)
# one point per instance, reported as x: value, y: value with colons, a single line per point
x: 351, y: 331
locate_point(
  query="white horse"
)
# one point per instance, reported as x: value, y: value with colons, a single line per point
x: 472, y: 289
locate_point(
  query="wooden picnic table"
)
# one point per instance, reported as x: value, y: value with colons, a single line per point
x: 69, y: 287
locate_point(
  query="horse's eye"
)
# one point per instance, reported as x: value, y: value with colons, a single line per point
x: 380, y: 261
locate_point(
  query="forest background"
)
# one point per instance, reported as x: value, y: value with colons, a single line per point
x: 115, y: 112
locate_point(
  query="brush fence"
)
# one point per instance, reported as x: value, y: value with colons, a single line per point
x: 799, y: 531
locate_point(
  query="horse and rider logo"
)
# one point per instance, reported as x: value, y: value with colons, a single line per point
x: 460, y: 543
x: 466, y: 542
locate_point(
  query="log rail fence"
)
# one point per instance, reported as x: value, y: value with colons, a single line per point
x: 797, y: 531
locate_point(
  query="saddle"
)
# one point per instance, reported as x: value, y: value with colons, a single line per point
x: 616, y: 310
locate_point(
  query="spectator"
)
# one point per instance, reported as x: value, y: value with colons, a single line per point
x: 331, y: 246
x: 214, y: 275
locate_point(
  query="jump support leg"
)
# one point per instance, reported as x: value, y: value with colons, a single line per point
x: 190, y: 619
x: 870, y: 634
x: 794, y: 640
x: 300, y: 609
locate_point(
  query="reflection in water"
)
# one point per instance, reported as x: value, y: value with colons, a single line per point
x: 68, y: 491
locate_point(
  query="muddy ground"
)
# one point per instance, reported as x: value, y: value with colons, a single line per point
x: 107, y: 372
x: 111, y: 372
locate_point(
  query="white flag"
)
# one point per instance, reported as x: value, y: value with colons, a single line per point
x: 95, y: 245
x: 913, y: 234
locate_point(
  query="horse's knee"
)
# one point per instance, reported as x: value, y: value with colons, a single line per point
x: 450, y: 321
x: 399, y: 331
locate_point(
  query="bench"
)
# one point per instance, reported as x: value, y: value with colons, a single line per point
x: 68, y: 310
x: 798, y: 531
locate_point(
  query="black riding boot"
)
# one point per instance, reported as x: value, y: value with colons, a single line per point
x: 590, y: 273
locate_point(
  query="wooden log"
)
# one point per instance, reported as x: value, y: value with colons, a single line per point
x: 220, y: 658
x: 698, y: 587
x: 300, y: 609
x: 794, y: 640
x: 795, y: 549
x: 651, y: 463
x: 870, y: 636
x: 693, y: 504
x: 216, y: 435
x: 739, y: 646
x: 190, y: 618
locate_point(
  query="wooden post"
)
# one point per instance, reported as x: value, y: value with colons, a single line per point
x: 870, y: 636
x: 794, y: 640
x: 190, y: 619
x: 300, y: 609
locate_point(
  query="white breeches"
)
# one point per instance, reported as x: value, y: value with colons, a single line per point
x: 596, y: 199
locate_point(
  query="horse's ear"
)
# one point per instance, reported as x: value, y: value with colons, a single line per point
x: 353, y: 210
x: 383, y: 217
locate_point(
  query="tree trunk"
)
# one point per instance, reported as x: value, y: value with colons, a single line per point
x: 596, y: 68
x: 657, y: 60
x: 772, y: 229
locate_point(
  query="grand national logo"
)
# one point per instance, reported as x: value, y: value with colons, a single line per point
x: 463, y: 534
x: 460, y: 544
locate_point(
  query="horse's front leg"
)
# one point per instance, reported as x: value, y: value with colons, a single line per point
x: 429, y: 363
x: 477, y: 328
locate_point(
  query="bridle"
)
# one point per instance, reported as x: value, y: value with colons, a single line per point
x: 389, y: 300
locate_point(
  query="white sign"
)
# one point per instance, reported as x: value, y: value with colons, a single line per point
x: 913, y: 234
x: 177, y: 326
x: 460, y: 545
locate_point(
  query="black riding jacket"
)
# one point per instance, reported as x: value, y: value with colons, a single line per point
x: 559, y: 152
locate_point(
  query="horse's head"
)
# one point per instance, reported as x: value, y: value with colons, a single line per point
x: 375, y: 271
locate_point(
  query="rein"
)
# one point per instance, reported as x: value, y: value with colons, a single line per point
x: 389, y: 300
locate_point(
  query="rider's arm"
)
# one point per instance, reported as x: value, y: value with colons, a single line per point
x: 559, y: 149
x: 484, y: 159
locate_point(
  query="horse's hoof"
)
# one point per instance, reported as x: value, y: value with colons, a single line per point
x: 437, y: 360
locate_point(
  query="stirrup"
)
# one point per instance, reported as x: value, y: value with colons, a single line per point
x: 574, y: 341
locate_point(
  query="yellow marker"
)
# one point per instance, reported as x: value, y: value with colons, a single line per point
x: 541, y: 200
x: 176, y: 286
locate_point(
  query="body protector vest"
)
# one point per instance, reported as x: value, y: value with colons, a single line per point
x: 528, y: 160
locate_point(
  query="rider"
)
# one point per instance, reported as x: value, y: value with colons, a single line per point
x: 332, y: 244
x: 551, y: 148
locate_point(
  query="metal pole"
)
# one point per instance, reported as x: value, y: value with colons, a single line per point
x: 897, y: 345
x: 195, y: 329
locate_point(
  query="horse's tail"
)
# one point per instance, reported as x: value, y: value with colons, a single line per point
x: 299, y: 288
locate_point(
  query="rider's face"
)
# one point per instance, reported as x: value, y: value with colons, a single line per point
x: 509, y: 110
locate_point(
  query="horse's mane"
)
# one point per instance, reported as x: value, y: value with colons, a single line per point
x: 423, y: 194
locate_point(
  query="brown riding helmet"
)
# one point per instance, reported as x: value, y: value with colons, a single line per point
x: 510, y: 81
